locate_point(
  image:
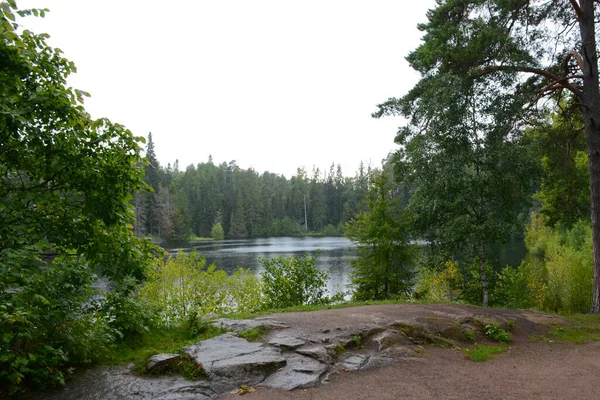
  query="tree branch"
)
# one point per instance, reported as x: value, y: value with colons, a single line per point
x: 576, y: 8
x: 556, y: 79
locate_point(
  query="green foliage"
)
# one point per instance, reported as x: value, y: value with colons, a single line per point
x: 557, y: 277
x: 49, y: 324
x: 66, y: 186
x: 245, y: 202
x: 182, y: 288
x: 159, y: 340
x: 285, y: 227
x: 339, y: 349
x: 567, y: 265
x: 440, y: 285
x: 482, y: 352
x: 496, y: 334
x: 127, y: 313
x: 561, y: 146
x: 469, y: 335
x: 517, y: 287
x: 217, y: 232
x: 382, y: 268
x: 331, y: 230
x: 293, y: 281
x: 577, y: 335
x: 254, y: 334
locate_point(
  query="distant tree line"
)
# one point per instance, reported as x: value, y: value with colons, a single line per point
x: 183, y: 204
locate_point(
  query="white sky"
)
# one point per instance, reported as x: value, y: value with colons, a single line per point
x: 272, y: 84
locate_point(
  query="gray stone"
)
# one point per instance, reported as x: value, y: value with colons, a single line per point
x: 159, y: 360
x: 354, y: 362
x: 115, y: 383
x: 389, y: 356
x: 230, y: 361
x: 240, y: 325
x: 317, y: 352
x: 387, y: 339
x: 299, y: 372
x: 286, y: 340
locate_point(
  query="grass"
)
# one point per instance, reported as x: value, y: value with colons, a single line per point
x: 157, y: 341
x: 539, y: 338
x: 577, y: 334
x: 482, y: 352
x: 254, y: 334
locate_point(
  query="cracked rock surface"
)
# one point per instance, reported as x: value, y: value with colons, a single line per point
x: 304, y: 349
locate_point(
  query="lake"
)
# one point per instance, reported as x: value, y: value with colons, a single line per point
x: 333, y: 254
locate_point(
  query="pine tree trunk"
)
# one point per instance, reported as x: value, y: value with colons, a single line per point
x: 484, y: 281
x: 591, y: 114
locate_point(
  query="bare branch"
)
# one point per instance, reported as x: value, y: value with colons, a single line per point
x: 576, y: 56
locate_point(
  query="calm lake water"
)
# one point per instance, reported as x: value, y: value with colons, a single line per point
x: 333, y: 254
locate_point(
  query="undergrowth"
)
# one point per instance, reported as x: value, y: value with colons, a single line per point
x: 159, y: 341
x: 254, y: 334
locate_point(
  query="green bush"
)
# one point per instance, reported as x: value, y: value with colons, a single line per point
x: 217, y: 232
x: 440, y: 285
x: 496, y: 334
x: 127, y: 313
x: 514, y: 288
x: 50, y: 325
x: 293, y: 281
x: 565, y: 273
x: 183, y: 287
x: 285, y: 227
x: 331, y: 230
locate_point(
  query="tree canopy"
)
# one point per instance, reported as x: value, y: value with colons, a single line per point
x: 66, y: 184
x: 520, y: 52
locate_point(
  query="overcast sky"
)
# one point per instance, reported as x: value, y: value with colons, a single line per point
x: 274, y: 85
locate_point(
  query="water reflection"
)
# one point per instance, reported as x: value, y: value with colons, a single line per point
x: 333, y: 254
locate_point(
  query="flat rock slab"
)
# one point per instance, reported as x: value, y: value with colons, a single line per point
x: 316, y: 351
x: 159, y: 360
x: 230, y: 361
x: 116, y: 383
x: 299, y: 372
x: 240, y: 325
x: 286, y: 340
x: 354, y: 362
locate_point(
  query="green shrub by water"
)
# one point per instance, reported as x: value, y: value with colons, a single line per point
x: 293, y: 281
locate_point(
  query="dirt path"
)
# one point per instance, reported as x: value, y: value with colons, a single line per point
x: 538, y: 371
x: 528, y: 371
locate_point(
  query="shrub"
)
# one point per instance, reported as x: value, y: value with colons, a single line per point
x: 49, y: 325
x: 285, y: 227
x: 445, y: 284
x: 562, y: 275
x: 496, y: 334
x: 182, y: 288
x: 293, y: 281
x: 331, y: 230
x: 513, y: 287
x: 217, y: 232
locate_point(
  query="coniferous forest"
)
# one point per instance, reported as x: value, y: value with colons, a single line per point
x: 182, y: 204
